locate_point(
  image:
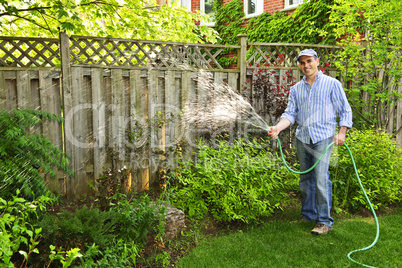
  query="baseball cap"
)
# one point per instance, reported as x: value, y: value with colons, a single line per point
x: 307, y: 52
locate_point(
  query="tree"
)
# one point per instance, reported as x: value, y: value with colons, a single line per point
x: 135, y: 19
x: 370, y: 33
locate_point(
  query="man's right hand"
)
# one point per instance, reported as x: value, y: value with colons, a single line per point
x: 273, y: 132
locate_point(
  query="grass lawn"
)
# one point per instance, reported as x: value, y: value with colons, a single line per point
x: 287, y: 243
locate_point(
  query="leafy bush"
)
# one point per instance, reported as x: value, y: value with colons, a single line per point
x: 239, y: 181
x: 89, y: 237
x: 18, y: 237
x: 120, y: 254
x: 378, y: 159
x: 135, y: 219
x: 106, y: 238
x: 267, y: 88
x: 66, y: 258
x: 22, y: 152
x: 74, y: 229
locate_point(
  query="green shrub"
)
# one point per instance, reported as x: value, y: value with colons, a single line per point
x: 18, y: 237
x: 378, y: 159
x: 105, y: 238
x: 121, y: 253
x: 84, y: 226
x: 239, y: 181
x: 66, y: 258
x: 22, y: 152
x: 135, y: 219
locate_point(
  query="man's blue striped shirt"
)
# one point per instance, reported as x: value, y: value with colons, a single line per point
x: 314, y: 108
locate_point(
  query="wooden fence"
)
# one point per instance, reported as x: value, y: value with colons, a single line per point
x: 114, y: 93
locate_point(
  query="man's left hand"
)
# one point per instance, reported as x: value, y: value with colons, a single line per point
x: 340, y: 138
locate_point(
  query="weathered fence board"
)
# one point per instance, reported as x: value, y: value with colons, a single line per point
x: 138, y: 108
x: 171, y: 104
x: 117, y: 125
x: 99, y: 121
x: 78, y: 128
x: 50, y: 101
x: 153, y: 107
x: 24, y: 90
x: 3, y: 91
x: 187, y: 94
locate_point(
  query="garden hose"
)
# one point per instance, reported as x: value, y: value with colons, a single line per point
x: 361, y: 186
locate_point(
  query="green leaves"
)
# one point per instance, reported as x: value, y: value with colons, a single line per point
x: 238, y: 181
x: 21, y: 149
x: 307, y: 25
x: 16, y: 229
x: 371, y: 40
x: 119, y: 19
x: 379, y: 162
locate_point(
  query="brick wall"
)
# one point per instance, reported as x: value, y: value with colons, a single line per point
x: 195, y: 5
x: 272, y: 5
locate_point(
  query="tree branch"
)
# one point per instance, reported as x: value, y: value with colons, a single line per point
x: 33, y: 22
x: 362, y: 116
x: 24, y: 10
x: 47, y: 24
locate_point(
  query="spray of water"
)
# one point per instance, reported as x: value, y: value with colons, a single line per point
x: 220, y: 108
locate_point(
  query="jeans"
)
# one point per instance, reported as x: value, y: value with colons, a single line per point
x: 315, y: 186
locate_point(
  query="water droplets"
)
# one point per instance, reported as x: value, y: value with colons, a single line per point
x: 220, y: 108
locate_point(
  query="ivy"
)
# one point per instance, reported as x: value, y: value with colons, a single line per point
x: 229, y: 20
x: 308, y: 24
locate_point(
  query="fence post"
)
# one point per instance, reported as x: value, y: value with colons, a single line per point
x: 3, y: 93
x: 242, y: 60
x: 67, y: 102
x: 399, y: 117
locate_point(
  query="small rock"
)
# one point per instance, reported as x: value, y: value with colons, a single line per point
x: 175, y: 221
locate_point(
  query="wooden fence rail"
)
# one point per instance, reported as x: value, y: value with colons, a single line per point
x: 113, y: 93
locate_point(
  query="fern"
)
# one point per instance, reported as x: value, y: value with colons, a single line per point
x: 22, y: 152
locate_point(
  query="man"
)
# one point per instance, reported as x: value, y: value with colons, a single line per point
x: 313, y: 103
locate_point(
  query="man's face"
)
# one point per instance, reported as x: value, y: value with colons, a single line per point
x: 309, y: 65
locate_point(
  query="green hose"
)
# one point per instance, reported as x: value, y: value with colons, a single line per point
x: 361, y: 186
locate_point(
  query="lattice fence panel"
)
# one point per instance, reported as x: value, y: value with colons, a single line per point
x: 29, y: 52
x: 144, y: 54
x: 285, y: 55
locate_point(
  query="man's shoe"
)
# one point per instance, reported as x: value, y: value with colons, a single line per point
x: 320, y: 229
